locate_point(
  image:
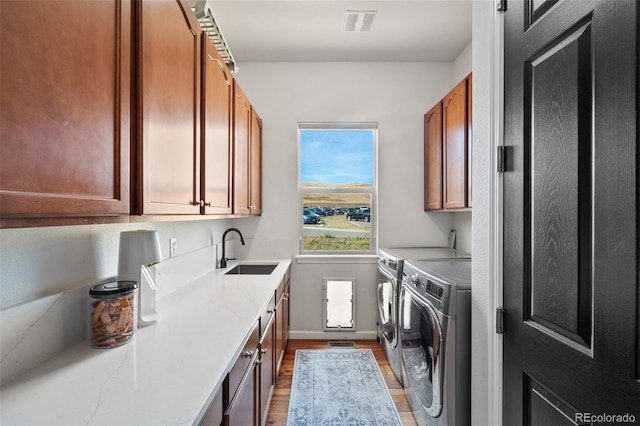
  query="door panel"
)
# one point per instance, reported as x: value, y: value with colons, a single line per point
x: 570, y: 211
x: 169, y: 84
x: 217, y: 104
x: 560, y: 204
x: 64, y: 109
x: 241, y: 134
x: 454, y: 147
x: 433, y: 158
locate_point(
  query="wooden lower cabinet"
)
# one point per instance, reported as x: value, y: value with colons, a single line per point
x: 241, y: 385
x: 248, y: 388
x: 267, y: 371
x: 242, y: 410
x: 282, y: 321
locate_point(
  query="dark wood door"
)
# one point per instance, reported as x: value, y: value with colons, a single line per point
x: 65, y: 110
x: 454, y: 147
x: 571, y: 213
x: 433, y: 158
x: 217, y: 104
x: 168, y: 165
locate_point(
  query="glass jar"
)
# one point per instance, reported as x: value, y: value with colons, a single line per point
x: 114, y: 319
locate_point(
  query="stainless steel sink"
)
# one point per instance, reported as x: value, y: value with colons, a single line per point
x: 252, y: 269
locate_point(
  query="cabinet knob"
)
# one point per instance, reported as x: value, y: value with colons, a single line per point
x: 247, y: 354
x: 263, y: 351
x: 270, y: 311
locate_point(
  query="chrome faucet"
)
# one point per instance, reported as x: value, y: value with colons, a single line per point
x: 223, y: 260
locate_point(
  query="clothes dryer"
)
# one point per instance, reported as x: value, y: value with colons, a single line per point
x: 435, y: 336
x: 390, y: 266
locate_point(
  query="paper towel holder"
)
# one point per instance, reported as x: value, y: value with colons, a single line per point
x: 140, y: 249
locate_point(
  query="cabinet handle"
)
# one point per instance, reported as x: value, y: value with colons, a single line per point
x: 263, y: 351
x: 247, y: 354
x: 205, y: 204
x: 221, y: 68
x: 258, y: 361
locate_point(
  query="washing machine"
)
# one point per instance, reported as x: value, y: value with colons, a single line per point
x: 435, y: 337
x: 390, y: 265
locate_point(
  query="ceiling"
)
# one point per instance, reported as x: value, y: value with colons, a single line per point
x: 313, y: 30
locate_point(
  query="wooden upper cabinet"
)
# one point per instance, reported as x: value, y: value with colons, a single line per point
x: 217, y: 109
x: 168, y: 165
x: 454, y: 107
x: 255, y: 160
x: 241, y: 140
x: 65, y: 102
x: 433, y: 158
x: 469, y: 140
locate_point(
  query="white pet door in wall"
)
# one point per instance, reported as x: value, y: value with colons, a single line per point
x: 339, y: 307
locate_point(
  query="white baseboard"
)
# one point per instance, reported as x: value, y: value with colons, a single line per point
x: 333, y: 335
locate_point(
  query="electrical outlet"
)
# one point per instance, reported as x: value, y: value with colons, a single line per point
x: 173, y: 246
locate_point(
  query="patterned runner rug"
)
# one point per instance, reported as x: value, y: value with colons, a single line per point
x: 339, y: 387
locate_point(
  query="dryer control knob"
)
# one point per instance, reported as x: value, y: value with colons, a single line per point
x: 414, y: 280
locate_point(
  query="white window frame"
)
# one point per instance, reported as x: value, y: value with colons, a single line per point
x: 373, y: 191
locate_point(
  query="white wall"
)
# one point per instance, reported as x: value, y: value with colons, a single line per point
x: 462, y: 65
x: 396, y: 96
x: 38, y: 262
x: 486, y: 354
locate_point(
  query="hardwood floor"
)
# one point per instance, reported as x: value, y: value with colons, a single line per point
x: 280, y: 400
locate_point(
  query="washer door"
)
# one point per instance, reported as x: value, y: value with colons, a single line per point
x: 422, y: 346
x: 387, y: 306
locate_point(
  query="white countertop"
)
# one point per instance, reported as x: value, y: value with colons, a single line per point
x: 167, y: 375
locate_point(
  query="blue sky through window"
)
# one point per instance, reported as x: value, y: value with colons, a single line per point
x: 336, y: 156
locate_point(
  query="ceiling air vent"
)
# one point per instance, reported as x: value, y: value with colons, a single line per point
x: 359, y: 20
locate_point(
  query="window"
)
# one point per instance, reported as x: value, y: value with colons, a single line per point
x: 337, y: 187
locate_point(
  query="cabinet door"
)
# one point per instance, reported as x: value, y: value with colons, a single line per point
x: 169, y: 103
x: 433, y: 158
x: 455, y: 147
x: 243, y: 408
x: 282, y: 324
x: 65, y: 102
x: 469, y: 140
x: 241, y: 134
x: 255, y: 155
x: 286, y: 324
x: 267, y: 371
x: 217, y: 104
